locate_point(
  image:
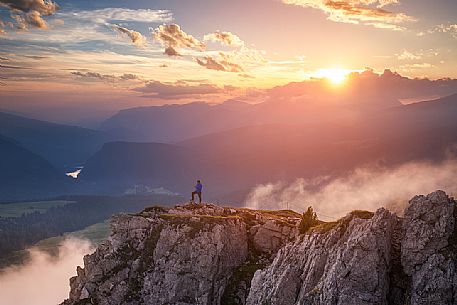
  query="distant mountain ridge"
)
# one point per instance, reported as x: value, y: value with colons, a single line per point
x: 62, y: 145
x: 170, y: 123
x: 293, y: 103
x: 236, y: 160
x: 24, y: 174
x: 235, y: 146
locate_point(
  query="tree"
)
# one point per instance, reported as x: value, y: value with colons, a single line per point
x: 308, y: 220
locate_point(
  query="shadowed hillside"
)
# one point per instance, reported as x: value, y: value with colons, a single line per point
x: 24, y: 174
x: 62, y: 145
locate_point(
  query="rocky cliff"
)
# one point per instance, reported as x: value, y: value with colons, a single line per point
x: 214, y: 255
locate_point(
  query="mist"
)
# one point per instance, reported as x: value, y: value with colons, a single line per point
x: 43, y: 279
x: 365, y: 188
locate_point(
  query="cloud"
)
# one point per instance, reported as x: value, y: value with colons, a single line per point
x: 105, y: 77
x: 179, y: 89
x: 450, y: 29
x: 364, y: 188
x: 244, y: 75
x: 129, y: 76
x: 223, y: 64
x: 93, y: 75
x: 405, y: 55
x: 34, y: 19
x: 29, y: 12
x: 226, y: 38
x: 12, y: 67
x: 43, y: 279
x: 170, y: 51
x: 358, y: 12
x: 369, y: 87
x: 173, y: 38
x: 36, y: 57
x: 6, y: 24
x: 45, y: 7
x: 21, y: 24
x: 108, y: 15
x: 134, y: 36
x: 416, y: 66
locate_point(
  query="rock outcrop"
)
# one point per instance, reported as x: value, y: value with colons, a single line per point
x: 183, y: 255
x: 214, y: 255
x: 341, y: 263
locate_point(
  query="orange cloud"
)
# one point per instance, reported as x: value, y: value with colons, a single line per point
x: 177, y: 90
x: 223, y: 64
x: 443, y: 28
x: 105, y: 77
x: 29, y: 12
x: 134, y: 36
x: 34, y: 19
x: 226, y: 38
x: 172, y: 37
x: 368, y: 12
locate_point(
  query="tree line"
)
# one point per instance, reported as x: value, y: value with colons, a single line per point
x: 17, y: 233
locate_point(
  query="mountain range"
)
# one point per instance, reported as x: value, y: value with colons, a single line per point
x: 234, y: 146
x: 237, y: 159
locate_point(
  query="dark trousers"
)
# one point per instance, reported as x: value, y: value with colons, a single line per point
x: 199, y: 195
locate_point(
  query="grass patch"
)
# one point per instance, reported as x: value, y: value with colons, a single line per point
x: 186, y: 217
x: 281, y: 213
x: 362, y: 214
x: 95, y: 233
x: 155, y: 209
x: 196, y: 222
x: 325, y: 227
x: 273, y: 213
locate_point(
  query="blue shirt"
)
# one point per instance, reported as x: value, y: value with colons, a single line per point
x: 198, y: 187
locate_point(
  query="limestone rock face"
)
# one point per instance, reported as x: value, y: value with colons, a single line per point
x: 215, y: 255
x: 184, y: 255
x: 429, y: 249
x: 343, y: 264
x: 361, y: 259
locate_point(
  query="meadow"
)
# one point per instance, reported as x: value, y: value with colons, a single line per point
x: 17, y: 209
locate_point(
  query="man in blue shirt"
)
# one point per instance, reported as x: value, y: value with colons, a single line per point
x: 198, y: 191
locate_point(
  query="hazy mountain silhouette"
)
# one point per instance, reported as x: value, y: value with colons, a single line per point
x: 231, y: 161
x: 294, y: 103
x: 171, y: 123
x: 61, y: 145
x: 25, y: 175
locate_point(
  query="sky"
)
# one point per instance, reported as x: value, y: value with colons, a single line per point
x: 109, y: 55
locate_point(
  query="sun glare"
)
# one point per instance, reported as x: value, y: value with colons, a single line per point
x: 335, y: 75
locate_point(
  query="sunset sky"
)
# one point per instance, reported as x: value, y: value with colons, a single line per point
x: 150, y: 52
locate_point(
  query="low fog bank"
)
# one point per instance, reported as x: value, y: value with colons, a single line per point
x: 44, y: 279
x: 364, y: 189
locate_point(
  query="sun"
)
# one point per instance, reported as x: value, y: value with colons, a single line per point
x: 335, y: 75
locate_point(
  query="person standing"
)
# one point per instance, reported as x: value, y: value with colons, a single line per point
x: 198, y: 191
